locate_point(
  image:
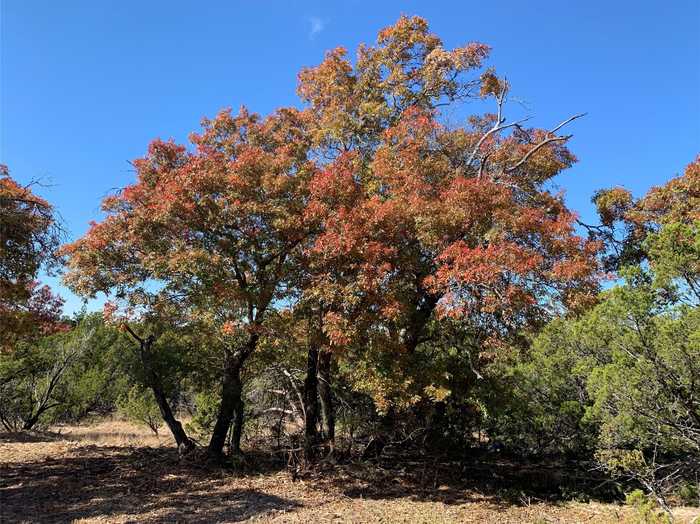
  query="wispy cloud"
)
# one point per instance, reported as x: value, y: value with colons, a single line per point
x: 317, y: 25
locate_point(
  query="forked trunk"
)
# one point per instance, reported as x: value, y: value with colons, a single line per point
x: 231, y: 402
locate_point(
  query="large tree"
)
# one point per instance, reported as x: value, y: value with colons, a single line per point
x: 365, y: 206
x: 211, y: 232
x: 423, y: 220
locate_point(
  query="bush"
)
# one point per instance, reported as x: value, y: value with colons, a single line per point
x: 647, y: 511
x: 688, y: 493
x: 34, y: 385
x: 139, y: 406
x: 206, y: 407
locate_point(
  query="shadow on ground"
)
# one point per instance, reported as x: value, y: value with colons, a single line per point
x: 497, y: 481
x: 153, y: 483
x: 147, y: 484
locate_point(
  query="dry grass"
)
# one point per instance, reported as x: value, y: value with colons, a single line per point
x: 115, y: 432
x: 113, y: 471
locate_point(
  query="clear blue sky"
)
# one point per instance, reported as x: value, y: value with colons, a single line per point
x: 86, y: 84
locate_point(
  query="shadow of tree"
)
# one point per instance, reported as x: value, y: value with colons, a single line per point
x: 147, y: 484
x: 501, y: 483
x: 115, y: 481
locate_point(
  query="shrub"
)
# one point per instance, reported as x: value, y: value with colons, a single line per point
x: 139, y: 406
x: 206, y: 410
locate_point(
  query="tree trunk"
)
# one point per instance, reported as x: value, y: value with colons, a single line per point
x: 29, y: 423
x: 418, y: 320
x: 184, y: 444
x: 435, y: 428
x: 237, y: 428
x: 326, y: 395
x: 34, y: 418
x: 231, y: 403
x: 311, y: 402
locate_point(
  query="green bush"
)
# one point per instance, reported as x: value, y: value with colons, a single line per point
x: 204, y: 418
x: 688, y: 493
x: 139, y: 406
x: 646, y: 510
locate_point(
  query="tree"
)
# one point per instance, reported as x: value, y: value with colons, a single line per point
x: 28, y: 237
x: 100, y: 376
x: 26, y: 319
x: 374, y: 217
x: 626, y: 222
x: 648, y: 395
x: 33, y: 379
x: 624, y: 378
x: 158, y: 378
x: 423, y: 222
x: 214, y: 231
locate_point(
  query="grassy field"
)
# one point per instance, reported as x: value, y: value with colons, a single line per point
x: 113, y: 471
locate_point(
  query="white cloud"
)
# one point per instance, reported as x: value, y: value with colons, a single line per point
x: 317, y: 25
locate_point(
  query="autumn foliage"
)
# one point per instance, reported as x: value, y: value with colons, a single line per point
x: 367, y: 262
x: 29, y: 237
x: 363, y: 211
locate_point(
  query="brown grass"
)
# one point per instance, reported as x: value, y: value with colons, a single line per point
x: 114, y: 471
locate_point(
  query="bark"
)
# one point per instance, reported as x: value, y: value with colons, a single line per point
x: 311, y: 402
x: 184, y: 444
x: 237, y: 429
x: 231, y: 401
x: 326, y: 395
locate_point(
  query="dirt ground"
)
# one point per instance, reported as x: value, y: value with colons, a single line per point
x: 117, y: 472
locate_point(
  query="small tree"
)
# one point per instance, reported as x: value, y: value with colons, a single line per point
x: 139, y: 406
x: 33, y: 379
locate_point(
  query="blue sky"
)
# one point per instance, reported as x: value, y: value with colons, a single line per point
x: 85, y: 84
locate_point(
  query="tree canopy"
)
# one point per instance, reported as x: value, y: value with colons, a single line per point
x: 362, y: 259
x: 29, y: 235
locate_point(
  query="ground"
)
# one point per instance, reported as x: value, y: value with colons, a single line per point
x: 114, y: 471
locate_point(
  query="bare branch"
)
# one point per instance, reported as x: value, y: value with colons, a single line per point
x: 568, y: 120
x: 550, y: 139
x: 498, y: 126
x: 535, y: 149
